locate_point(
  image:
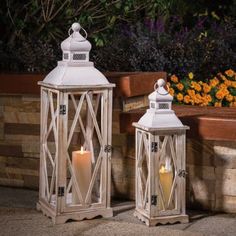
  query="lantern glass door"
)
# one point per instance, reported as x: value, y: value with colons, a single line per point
x: 167, y: 174
x: 85, y: 149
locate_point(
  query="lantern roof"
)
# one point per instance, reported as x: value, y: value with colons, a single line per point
x: 159, y: 115
x: 75, y: 69
x: 75, y: 41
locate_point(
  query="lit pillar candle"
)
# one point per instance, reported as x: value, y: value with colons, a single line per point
x: 166, y: 180
x: 81, y: 162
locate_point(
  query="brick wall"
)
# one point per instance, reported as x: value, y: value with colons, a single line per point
x: 19, y: 140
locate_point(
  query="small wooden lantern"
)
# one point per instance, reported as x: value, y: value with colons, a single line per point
x: 160, y: 162
x: 75, y: 155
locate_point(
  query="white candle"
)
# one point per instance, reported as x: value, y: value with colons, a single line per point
x: 81, y: 162
x: 166, y: 180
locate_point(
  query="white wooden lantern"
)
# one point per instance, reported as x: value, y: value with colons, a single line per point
x: 75, y: 155
x: 160, y: 162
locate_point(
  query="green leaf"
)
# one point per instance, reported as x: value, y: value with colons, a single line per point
x: 232, y: 91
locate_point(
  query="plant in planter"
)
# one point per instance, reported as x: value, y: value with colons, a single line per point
x: 217, y: 91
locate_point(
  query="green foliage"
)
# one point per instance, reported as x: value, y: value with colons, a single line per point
x: 33, y: 23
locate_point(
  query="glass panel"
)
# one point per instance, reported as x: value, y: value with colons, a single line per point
x: 167, y: 171
x: 85, y: 150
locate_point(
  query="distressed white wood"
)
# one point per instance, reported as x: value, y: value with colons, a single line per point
x: 73, y: 78
x: 60, y: 208
x: 150, y: 213
x: 109, y: 104
x: 160, y: 127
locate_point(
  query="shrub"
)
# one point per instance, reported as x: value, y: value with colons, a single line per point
x: 204, y: 49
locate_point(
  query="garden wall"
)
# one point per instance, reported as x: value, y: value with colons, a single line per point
x: 211, y: 143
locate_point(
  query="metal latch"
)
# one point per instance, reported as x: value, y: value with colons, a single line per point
x: 61, y: 192
x: 154, y: 147
x: 182, y: 173
x: 107, y: 148
x: 154, y: 200
x: 62, y: 109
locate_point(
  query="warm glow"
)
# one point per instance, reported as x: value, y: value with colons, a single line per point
x: 162, y: 170
x: 82, y: 150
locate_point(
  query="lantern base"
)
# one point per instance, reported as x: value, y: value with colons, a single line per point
x: 161, y: 219
x: 61, y: 218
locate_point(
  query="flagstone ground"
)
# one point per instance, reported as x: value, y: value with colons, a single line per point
x: 18, y: 216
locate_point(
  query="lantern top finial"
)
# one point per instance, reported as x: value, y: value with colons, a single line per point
x: 76, y: 47
x: 76, y: 26
x: 161, y: 82
x: 160, y: 114
x: 160, y: 93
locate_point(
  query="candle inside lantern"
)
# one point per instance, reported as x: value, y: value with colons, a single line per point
x: 81, y: 162
x: 166, y: 180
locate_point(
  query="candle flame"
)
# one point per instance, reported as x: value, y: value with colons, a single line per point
x: 82, y: 150
x: 162, y: 169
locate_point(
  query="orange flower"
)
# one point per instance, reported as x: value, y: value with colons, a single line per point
x: 206, y: 88
x: 180, y: 97
x: 209, y: 98
x: 227, y: 83
x: 171, y: 91
x: 206, y: 99
x: 196, y: 86
x: 198, y: 99
x: 218, y: 104
x: 174, y: 79
x: 229, y: 98
x: 187, y: 99
x: 220, y: 94
x: 214, y: 82
x: 223, y: 86
x: 180, y: 86
x: 229, y: 72
x: 191, y: 92
x: 233, y: 84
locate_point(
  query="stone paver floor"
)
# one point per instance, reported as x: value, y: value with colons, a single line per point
x: 19, y: 217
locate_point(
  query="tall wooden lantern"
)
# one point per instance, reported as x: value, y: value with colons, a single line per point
x: 160, y: 162
x: 75, y: 155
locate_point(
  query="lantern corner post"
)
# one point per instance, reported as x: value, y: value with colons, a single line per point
x: 109, y: 143
x: 43, y: 128
x: 61, y: 153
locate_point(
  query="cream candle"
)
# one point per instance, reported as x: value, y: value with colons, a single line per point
x: 166, y: 180
x: 81, y: 162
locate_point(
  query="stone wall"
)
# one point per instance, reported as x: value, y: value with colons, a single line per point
x: 211, y: 178
x: 19, y: 140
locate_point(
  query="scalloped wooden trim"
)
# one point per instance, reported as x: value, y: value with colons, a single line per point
x: 161, y: 219
x: 77, y: 216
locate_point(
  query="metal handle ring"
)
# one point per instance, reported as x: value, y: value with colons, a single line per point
x: 156, y: 87
x: 71, y: 34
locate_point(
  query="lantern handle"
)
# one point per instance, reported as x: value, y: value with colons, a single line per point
x: 77, y: 27
x: 161, y: 83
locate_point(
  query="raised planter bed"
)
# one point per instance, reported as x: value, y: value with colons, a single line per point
x: 208, y: 123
